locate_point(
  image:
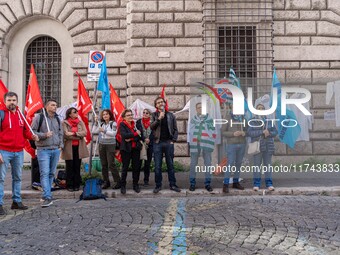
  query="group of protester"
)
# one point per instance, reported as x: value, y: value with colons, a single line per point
x: 156, y: 131
x: 54, y: 138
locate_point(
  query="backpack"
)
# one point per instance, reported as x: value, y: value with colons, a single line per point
x: 92, y: 190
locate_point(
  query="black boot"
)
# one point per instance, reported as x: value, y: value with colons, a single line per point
x: 106, y: 185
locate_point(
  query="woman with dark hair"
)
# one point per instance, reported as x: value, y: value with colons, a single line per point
x: 144, y: 125
x: 107, y: 129
x: 74, y: 148
x: 130, y: 147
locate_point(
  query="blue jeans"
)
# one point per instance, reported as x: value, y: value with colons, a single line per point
x: 16, y: 159
x: 168, y: 149
x: 266, y: 158
x: 48, y: 161
x: 235, y: 154
x: 193, y: 163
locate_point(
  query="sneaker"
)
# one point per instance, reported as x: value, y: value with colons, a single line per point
x: 225, y: 188
x: 157, y: 189
x: 2, y: 210
x: 47, y: 203
x: 70, y: 189
x: 175, y: 188
x: 146, y: 184
x: 18, y: 206
x: 271, y: 188
x: 136, y: 188
x: 76, y: 189
x: 123, y: 190
x: 256, y: 188
x: 192, y: 188
x: 209, y: 188
x: 237, y: 185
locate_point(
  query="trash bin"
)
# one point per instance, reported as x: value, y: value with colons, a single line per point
x: 96, y: 165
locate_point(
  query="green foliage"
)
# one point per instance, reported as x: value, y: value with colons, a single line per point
x: 311, y: 161
x: 93, y: 175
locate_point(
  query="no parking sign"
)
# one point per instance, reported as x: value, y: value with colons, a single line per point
x: 96, y: 58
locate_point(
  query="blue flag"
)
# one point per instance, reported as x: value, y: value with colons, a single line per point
x: 103, y: 86
x: 287, y: 135
x: 236, y: 82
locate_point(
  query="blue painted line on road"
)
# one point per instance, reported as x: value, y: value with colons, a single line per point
x: 179, y: 245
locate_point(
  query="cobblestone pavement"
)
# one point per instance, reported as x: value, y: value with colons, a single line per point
x: 197, y: 225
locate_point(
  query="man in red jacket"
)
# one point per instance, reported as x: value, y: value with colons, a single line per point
x: 13, y: 133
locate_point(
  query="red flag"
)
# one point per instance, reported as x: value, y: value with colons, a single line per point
x: 3, y: 91
x: 33, y: 103
x: 162, y: 95
x: 84, y: 105
x: 117, y: 107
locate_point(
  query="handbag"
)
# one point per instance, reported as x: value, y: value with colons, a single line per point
x: 143, y: 152
x: 254, y: 148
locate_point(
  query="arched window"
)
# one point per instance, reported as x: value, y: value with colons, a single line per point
x: 45, y: 53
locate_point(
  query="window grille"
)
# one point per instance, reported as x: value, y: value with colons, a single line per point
x: 239, y: 34
x: 45, y: 53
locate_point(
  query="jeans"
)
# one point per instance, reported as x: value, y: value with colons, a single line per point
x: 16, y: 159
x: 168, y: 149
x: 266, y: 158
x: 48, y: 161
x: 235, y: 154
x: 193, y: 163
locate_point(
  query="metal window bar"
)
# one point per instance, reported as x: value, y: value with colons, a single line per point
x: 45, y: 53
x: 239, y: 34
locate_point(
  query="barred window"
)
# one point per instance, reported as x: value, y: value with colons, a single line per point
x: 239, y: 34
x: 237, y: 49
x: 45, y: 53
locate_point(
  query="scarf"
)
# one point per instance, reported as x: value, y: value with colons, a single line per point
x: 132, y: 129
x: 203, y: 134
x: 74, y: 128
x: 146, y: 122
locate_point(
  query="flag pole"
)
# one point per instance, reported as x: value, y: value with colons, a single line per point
x: 26, y: 122
x: 48, y: 126
x: 93, y: 115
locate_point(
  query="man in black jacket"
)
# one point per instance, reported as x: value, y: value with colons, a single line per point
x: 164, y: 127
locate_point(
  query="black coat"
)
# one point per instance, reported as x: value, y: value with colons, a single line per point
x: 126, y: 133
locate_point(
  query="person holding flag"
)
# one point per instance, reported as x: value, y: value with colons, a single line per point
x: 74, y: 148
x: 14, y: 130
x: 106, y: 127
x: 47, y: 126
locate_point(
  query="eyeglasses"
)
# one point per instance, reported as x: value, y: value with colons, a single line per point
x: 74, y: 112
x: 128, y: 115
x: 146, y: 113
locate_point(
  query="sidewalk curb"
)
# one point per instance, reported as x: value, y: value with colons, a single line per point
x: 291, y: 191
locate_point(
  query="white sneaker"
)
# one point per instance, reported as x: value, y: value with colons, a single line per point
x: 271, y: 188
x: 256, y: 188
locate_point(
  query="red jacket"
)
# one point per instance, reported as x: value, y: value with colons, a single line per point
x: 13, y: 132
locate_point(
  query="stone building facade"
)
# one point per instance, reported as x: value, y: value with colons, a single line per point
x: 154, y: 42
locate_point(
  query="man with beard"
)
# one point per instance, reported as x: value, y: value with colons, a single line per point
x: 13, y: 133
